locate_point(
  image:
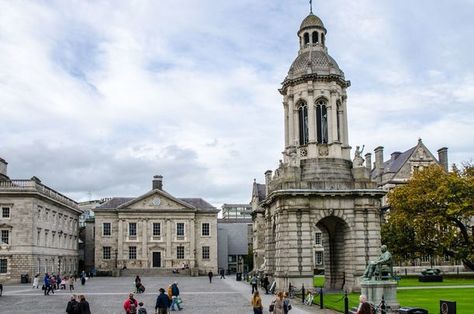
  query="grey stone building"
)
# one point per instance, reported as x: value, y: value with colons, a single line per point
x: 317, y: 186
x: 39, y: 229
x: 156, y: 231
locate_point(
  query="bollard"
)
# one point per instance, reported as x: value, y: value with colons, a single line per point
x: 346, y: 303
x: 321, y: 305
x: 302, y: 293
x: 382, y: 305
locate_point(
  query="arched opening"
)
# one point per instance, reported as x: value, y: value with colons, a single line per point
x: 322, y: 39
x: 337, y: 254
x: 321, y: 121
x: 306, y: 38
x: 315, y: 38
x: 303, y: 123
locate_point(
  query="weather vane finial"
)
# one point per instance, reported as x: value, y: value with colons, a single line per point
x: 310, y: 6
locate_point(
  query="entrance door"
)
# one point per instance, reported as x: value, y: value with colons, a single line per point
x: 156, y: 259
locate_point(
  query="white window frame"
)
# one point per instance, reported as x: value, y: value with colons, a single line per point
x: 8, y: 232
x: 104, y: 255
x: 316, y: 254
x: 130, y: 257
x: 134, y: 236
x: 178, y: 253
x: 208, y: 230
x: 180, y: 237
x: 103, y: 229
x: 208, y: 253
x: 155, y: 236
x: 316, y: 236
x: 2, y: 261
x: 9, y: 211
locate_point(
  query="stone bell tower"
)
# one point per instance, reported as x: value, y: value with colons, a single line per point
x: 317, y: 188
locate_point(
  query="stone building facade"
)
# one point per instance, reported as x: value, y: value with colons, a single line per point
x: 317, y: 188
x: 39, y: 229
x: 156, y: 231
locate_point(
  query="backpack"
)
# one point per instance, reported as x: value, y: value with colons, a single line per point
x: 142, y: 310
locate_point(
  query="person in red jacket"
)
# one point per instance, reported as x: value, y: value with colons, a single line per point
x: 130, y: 305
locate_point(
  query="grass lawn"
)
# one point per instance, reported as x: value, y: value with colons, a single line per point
x: 424, y: 298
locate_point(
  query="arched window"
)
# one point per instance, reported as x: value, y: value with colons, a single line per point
x: 315, y: 37
x: 339, y: 113
x: 303, y: 123
x: 322, y: 39
x: 306, y: 38
x: 321, y: 121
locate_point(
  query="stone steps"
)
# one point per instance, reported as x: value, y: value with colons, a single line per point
x: 132, y: 272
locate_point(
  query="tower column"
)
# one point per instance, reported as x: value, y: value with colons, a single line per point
x: 311, y: 119
x: 287, y: 122
x: 332, y: 118
x: 344, y: 133
x: 294, y: 118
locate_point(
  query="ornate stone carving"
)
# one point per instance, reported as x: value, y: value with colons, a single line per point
x: 303, y: 152
x: 323, y: 150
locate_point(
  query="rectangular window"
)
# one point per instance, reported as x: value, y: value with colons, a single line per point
x: 106, y: 252
x: 180, y: 252
x: 6, y: 236
x: 156, y: 229
x: 5, y: 212
x: 106, y: 229
x: 132, y: 252
x: 317, y: 238
x: 319, y: 258
x: 180, y: 230
x: 3, y: 266
x: 205, y: 229
x: 205, y: 252
x: 132, y: 229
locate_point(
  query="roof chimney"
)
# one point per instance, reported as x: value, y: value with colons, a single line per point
x: 268, y: 178
x: 368, y: 161
x: 443, y: 157
x: 157, y: 182
x: 379, y: 162
x: 3, y: 169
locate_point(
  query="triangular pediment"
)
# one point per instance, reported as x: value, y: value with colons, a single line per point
x: 157, y: 200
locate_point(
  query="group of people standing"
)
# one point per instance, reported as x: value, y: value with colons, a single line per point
x: 280, y: 305
x: 78, y: 305
x: 166, y: 301
x: 54, y: 282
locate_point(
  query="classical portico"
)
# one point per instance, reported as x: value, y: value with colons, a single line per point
x: 316, y: 187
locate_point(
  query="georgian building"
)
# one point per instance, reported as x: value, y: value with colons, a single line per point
x: 39, y: 229
x: 156, y: 231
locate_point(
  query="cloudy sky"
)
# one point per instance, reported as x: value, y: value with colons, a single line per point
x: 98, y: 96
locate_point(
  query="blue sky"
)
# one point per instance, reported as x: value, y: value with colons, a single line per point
x: 96, y: 97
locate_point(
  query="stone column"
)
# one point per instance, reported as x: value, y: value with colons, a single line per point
x: 291, y: 122
x: 344, y: 133
x: 287, y: 123
x: 311, y: 119
x: 192, y: 241
x: 332, y: 118
x: 145, y: 243
x: 168, y: 242
x: 120, y: 240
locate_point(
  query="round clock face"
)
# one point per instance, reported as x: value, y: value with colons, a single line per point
x: 156, y: 201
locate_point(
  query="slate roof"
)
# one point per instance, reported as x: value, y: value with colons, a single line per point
x: 199, y: 203
x: 320, y: 61
x: 260, y: 191
x: 393, y: 166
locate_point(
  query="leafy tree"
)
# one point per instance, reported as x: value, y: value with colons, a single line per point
x: 432, y: 215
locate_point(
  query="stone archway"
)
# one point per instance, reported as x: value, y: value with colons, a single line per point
x: 338, y: 253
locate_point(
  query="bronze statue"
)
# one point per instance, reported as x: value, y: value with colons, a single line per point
x: 381, y: 267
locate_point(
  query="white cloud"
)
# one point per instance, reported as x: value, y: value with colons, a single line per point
x: 100, y: 96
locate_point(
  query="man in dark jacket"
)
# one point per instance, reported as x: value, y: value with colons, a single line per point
x: 162, y: 302
x: 72, y: 306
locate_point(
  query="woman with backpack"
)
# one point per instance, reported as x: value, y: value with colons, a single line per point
x: 130, y: 305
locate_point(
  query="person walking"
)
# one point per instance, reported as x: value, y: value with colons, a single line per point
x: 138, y: 282
x: 36, y: 281
x: 52, y: 283
x: 210, y: 274
x: 83, y: 278
x: 141, y: 308
x: 257, y: 303
x: 46, y: 284
x: 278, y: 304
x: 130, y: 305
x: 286, y: 303
x: 266, y: 283
x: 254, y: 282
x: 84, y: 305
x: 162, y: 303
x: 72, y: 306
x: 71, y: 281
x: 222, y: 272
x: 175, y: 299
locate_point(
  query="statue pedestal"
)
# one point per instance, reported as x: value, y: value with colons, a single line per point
x: 375, y: 289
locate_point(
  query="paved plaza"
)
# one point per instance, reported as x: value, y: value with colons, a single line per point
x: 106, y: 295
